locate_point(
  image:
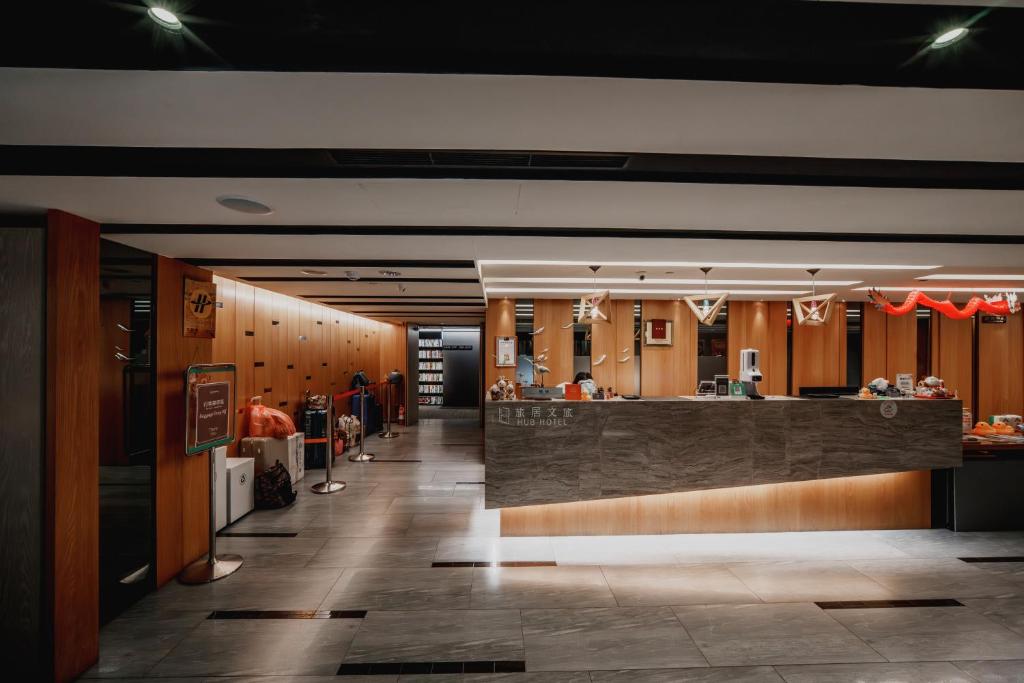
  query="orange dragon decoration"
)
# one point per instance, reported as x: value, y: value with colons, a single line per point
x: 1000, y: 304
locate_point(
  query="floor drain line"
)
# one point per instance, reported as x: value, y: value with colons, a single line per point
x: 878, y: 604
x: 287, y: 614
x: 401, y: 668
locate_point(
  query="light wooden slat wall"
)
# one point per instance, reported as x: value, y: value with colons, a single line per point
x: 499, y: 321
x: 610, y: 340
x: 182, y: 483
x: 1001, y: 367
x: 760, y: 325
x: 819, y: 352
x: 952, y: 349
x: 551, y: 314
x: 335, y: 345
x: 71, y: 569
x: 670, y: 370
x: 899, y: 500
x: 889, y: 345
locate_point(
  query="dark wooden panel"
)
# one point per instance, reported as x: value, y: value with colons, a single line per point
x: 22, y: 338
x: 72, y: 446
x: 182, y: 483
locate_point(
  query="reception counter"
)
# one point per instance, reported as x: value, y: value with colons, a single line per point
x: 675, y: 465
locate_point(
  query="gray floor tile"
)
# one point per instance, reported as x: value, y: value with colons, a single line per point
x: 396, y: 490
x: 607, y: 638
x: 272, y: 552
x: 791, y: 633
x: 540, y: 587
x: 614, y: 550
x: 1008, y: 612
x: 359, y: 526
x: 538, y: 677
x: 470, y: 549
x: 729, y: 674
x: 675, y: 585
x: 261, y: 647
x: 415, y: 505
x: 925, y: 672
x: 253, y: 588
x: 375, y: 552
x: 133, y: 646
x: 808, y: 581
x: 995, y: 672
x: 910, y: 634
x: 478, y: 523
x: 401, y: 589
x: 438, y: 636
x: 935, y: 578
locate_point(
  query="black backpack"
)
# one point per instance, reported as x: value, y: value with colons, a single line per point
x: 274, y: 488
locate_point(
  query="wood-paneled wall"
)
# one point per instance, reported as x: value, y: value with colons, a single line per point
x: 283, y: 346
x: 900, y: 500
x: 1001, y: 367
x: 670, y: 370
x: 72, y: 440
x: 500, y: 321
x: 819, y: 352
x: 889, y: 345
x: 182, y: 483
x: 615, y: 342
x: 760, y: 325
x: 552, y: 314
x: 952, y: 351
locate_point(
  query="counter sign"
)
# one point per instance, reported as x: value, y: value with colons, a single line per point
x: 888, y: 409
x: 536, y: 416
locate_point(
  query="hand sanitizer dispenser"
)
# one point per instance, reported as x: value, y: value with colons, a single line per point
x: 750, y: 371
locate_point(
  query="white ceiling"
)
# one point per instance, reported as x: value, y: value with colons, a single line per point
x: 335, y: 110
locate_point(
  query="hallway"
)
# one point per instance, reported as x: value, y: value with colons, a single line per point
x: 379, y: 580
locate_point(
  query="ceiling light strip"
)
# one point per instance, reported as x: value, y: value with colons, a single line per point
x: 680, y: 292
x: 667, y: 281
x: 698, y: 264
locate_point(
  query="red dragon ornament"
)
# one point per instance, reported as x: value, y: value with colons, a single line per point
x: 1000, y: 304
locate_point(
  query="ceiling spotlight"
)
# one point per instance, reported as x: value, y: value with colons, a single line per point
x: 313, y: 272
x: 949, y: 37
x: 165, y: 18
x: 244, y: 205
x: 352, y: 275
x: 389, y: 273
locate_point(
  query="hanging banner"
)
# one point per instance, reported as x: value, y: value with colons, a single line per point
x: 200, y: 319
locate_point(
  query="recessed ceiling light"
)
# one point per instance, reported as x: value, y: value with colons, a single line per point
x: 313, y: 272
x: 940, y: 289
x: 165, y: 18
x: 956, y: 276
x: 674, y: 292
x: 949, y: 37
x: 244, y: 205
x: 389, y: 273
x: 698, y: 264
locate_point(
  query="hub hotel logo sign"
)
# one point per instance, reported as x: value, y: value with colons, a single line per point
x: 535, y: 416
x: 200, y: 309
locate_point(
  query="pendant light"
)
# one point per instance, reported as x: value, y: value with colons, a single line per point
x: 596, y: 306
x: 706, y: 311
x: 813, y: 309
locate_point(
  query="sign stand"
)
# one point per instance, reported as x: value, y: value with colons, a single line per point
x: 362, y: 455
x: 328, y: 485
x: 387, y: 433
x: 210, y: 423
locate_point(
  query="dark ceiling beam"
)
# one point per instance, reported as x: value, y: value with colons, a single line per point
x: 556, y: 232
x: 408, y: 304
x: 340, y: 298
x: 320, y: 278
x: 163, y: 162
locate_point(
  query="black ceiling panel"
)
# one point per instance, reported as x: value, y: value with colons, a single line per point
x: 752, y: 40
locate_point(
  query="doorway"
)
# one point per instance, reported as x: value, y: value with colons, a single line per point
x: 448, y: 372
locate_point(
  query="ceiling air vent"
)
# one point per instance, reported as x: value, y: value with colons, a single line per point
x: 380, y: 157
x: 477, y: 159
x: 579, y: 160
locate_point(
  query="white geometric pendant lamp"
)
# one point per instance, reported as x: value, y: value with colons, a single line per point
x: 813, y: 309
x: 707, y: 310
x: 595, y: 307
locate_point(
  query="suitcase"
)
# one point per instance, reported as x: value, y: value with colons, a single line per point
x: 265, y: 451
x: 314, y: 427
x: 241, y: 494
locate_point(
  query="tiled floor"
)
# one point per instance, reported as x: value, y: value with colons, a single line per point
x: 709, y: 607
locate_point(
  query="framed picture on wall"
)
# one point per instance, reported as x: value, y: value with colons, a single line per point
x: 658, y: 332
x: 505, y: 352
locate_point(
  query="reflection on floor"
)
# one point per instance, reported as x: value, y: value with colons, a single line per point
x: 126, y: 536
x: 712, y: 607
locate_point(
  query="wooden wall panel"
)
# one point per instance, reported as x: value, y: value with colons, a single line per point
x: 182, y: 483
x: 263, y: 340
x: 245, y: 350
x: 551, y: 314
x: 279, y: 373
x: 900, y: 500
x: 760, y: 325
x: 1001, y: 367
x: 819, y: 352
x: 889, y: 345
x: 873, y: 340
x: 72, y: 440
x: 670, y: 370
x: 500, y: 321
x: 953, y: 355
x: 603, y: 341
x: 625, y: 372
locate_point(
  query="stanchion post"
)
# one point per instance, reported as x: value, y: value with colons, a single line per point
x: 387, y: 433
x: 214, y: 566
x: 328, y: 485
x: 362, y: 455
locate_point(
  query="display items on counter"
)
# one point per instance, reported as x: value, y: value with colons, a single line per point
x: 995, y: 429
x: 932, y: 387
x: 750, y: 372
x: 503, y: 389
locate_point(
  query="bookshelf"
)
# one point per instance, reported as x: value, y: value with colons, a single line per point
x: 431, y: 369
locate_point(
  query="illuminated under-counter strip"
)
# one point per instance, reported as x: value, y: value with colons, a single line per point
x: 541, y: 452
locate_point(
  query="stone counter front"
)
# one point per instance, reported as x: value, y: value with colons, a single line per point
x: 541, y: 452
